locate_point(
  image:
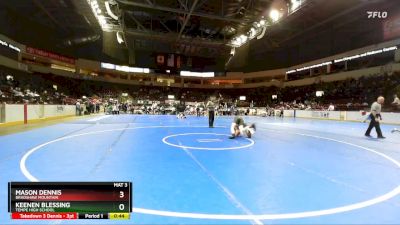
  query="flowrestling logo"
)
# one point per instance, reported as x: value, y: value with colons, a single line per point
x: 377, y: 14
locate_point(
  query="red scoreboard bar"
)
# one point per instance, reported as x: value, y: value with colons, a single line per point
x: 70, y: 200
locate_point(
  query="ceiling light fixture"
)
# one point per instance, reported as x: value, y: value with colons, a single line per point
x: 274, y: 15
x: 120, y: 37
x: 109, y: 11
x: 98, y: 13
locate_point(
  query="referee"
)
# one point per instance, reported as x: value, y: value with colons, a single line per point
x: 375, y: 116
x: 211, y: 111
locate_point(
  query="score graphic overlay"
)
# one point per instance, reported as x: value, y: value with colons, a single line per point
x: 70, y: 200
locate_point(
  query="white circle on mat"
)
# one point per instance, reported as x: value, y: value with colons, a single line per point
x: 165, y: 140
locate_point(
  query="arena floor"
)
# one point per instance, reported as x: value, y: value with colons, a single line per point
x: 293, y: 171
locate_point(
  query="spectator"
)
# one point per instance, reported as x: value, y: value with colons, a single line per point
x: 396, y: 103
x: 78, y: 108
x: 331, y: 107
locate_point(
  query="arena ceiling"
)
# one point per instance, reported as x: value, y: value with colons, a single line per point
x: 190, y: 27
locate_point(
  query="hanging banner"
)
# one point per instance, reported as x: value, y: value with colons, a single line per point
x: 50, y: 55
x: 171, y: 60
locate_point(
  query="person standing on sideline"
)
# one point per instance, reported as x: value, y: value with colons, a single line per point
x: 197, y: 105
x: 396, y: 103
x: 211, y: 111
x: 78, y: 108
x: 375, y: 116
x: 331, y: 107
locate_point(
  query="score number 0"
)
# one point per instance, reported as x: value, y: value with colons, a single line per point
x: 121, y: 206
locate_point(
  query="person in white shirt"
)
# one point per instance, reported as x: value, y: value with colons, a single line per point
x: 331, y: 107
x: 181, y: 115
x: 396, y: 102
x: 115, y: 109
x: 78, y: 108
x: 153, y: 108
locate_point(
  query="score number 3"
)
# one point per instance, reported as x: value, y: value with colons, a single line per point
x: 121, y: 195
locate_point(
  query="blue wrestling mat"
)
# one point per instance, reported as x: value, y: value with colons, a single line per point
x: 293, y: 171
